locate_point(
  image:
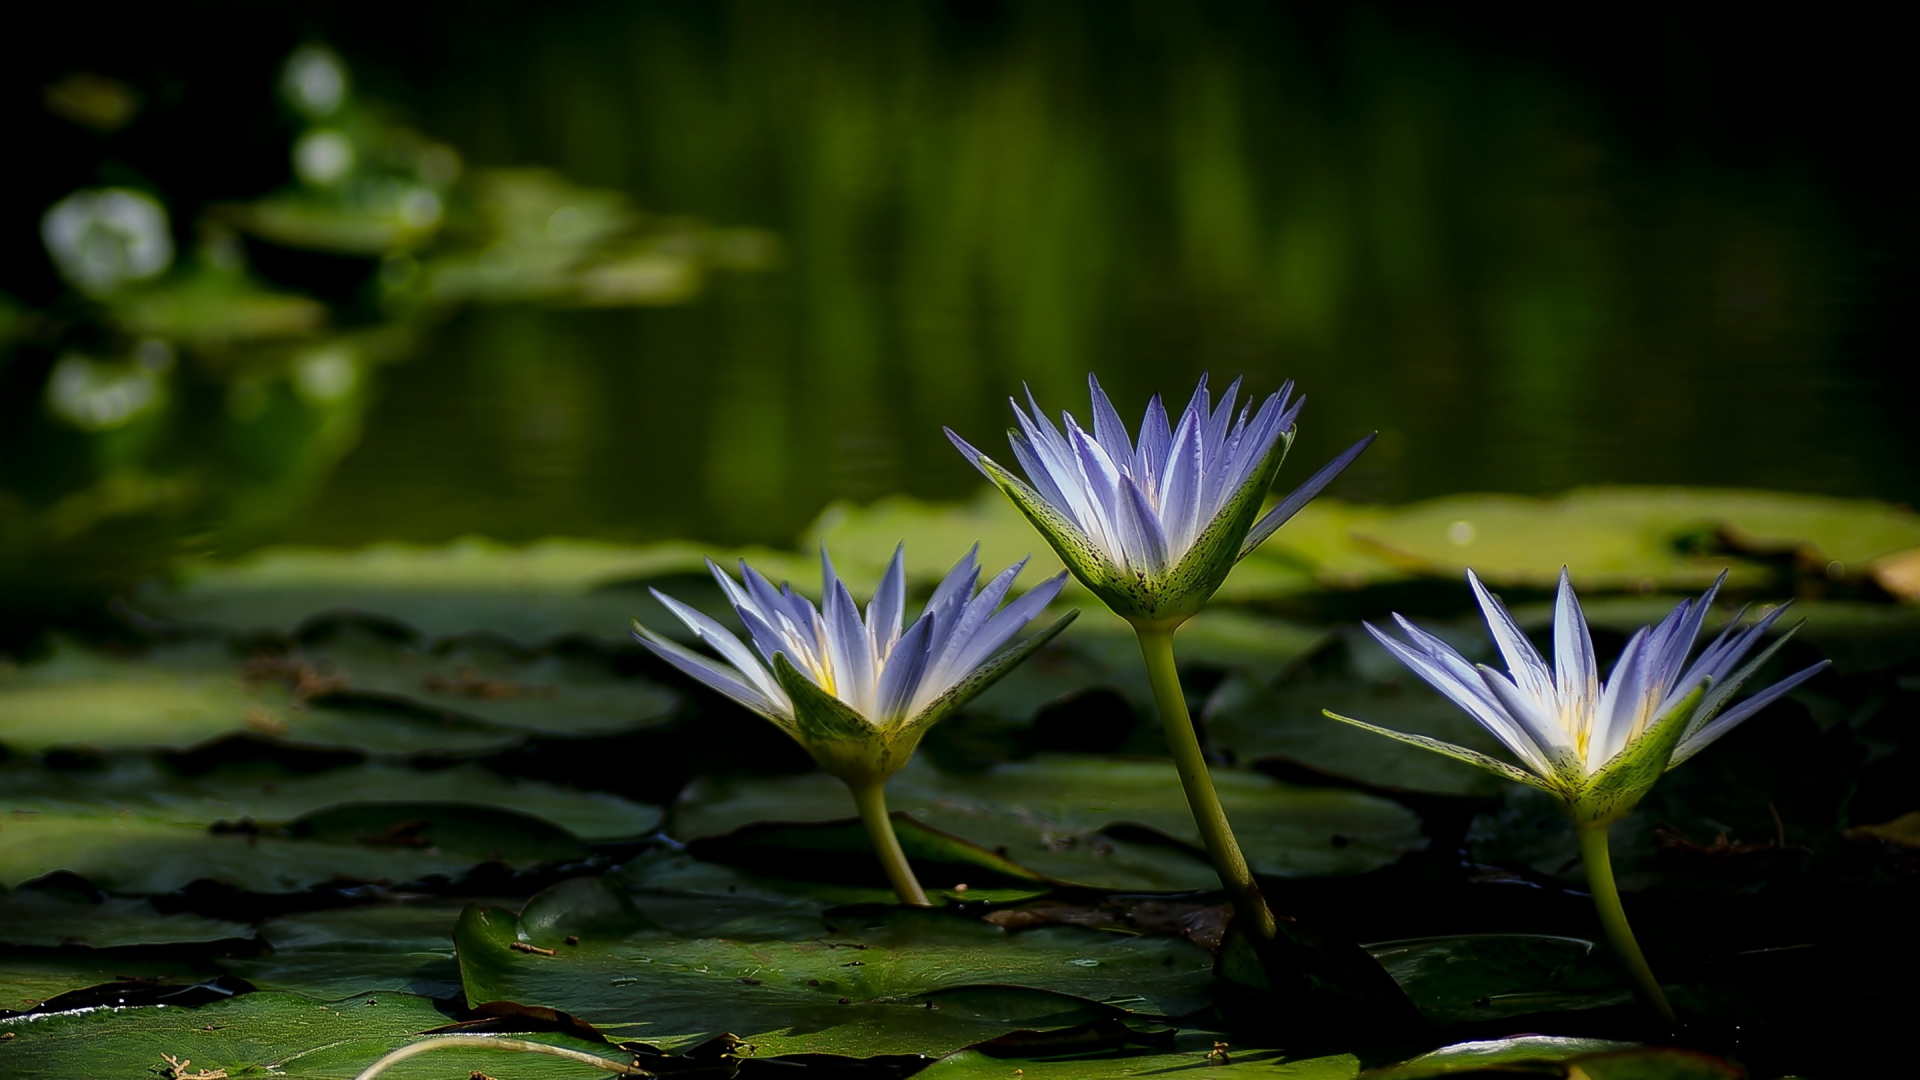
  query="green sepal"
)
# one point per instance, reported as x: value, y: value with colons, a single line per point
x: 842, y: 741
x: 1091, y: 566
x: 1458, y: 753
x: 988, y: 673
x: 1619, y: 784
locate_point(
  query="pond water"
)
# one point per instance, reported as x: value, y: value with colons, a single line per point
x: 1527, y: 276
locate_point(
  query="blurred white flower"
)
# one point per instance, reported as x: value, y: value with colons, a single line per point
x: 104, y: 238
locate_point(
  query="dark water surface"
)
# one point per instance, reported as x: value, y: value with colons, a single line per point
x: 1528, y: 269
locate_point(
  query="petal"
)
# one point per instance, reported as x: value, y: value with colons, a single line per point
x: 887, y: 611
x: 1107, y: 426
x: 1576, y: 673
x: 1299, y: 497
x: 723, y: 642
x: 1150, y: 455
x: 1530, y: 672
x: 900, y: 676
x: 714, y: 675
x: 1475, y: 701
x: 1140, y: 528
x: 1728, y: 720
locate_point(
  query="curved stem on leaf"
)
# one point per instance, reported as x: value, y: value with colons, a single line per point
x: 489, y: 1042
x: 1613, y: 917
x: 1249, y: 907
x: 871, y: 797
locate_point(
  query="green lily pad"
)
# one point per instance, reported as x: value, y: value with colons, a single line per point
x: 51, y: 917
x: 526, y: 594
x: 1057, y: 815
x: 135, y: 828
x: 330, y: 955
x: 1625, y: 539
x: 259, y: 1034
x: 29, y: 980
x: 1479, y: 977
x: 1560, y: 1056
x: 1192, y: 1054
x: 572, y: 693
x: 1285, y: 723
x: 858, y: 982
x: 183, y: 695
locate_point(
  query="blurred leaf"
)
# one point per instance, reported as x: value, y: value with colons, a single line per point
x: 134, y: 828
x: 211, y: 308
x: 863, y: 982
x: 1056, y: 815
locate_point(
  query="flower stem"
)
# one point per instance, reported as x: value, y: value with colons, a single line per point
x: 871, y: 797
x: 1613, y: 917
x: 1249, y: 907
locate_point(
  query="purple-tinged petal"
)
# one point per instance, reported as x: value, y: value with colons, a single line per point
x: 1107, y: 426
x: 1299, y: 497
x: 1530, y: 672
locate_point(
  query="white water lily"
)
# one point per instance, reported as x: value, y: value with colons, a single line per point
x: 1152, y: 527
x: 1598, y: 746
x: 857, y: 692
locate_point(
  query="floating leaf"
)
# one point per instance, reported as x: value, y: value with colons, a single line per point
x: 256, y: 1034
x: 1058, y: 815
x: 135, y: 828
x: 1562, y: 1058
x: 860, y: 983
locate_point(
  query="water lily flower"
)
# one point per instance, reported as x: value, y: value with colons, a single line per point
x: 859, y: 692
x: 1597, y: 747
x: 1153, y: 527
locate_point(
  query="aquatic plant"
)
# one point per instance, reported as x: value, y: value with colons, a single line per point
x: 859, y: 693
x: 1596, y: 747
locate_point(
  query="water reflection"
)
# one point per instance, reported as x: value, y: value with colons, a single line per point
x: 1453, y: 245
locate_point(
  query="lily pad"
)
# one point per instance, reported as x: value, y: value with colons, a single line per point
x: 1561, y: 1057
x: 136, y: 828
x: 1480, y: 977
x: 47, y: 918
x: 1255, y: 723
x: 526, y: 594
x: 32, y: 979
x: 330, y: 955
x: 259, y: 1034
x: 1059, y: 815
x: 183, y: 695
x: 1194, y: 1054
x: 551, y: 693
x: 1626, y: 539
x: 861, y: 982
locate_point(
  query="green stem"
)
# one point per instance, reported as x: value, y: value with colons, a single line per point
x: 1249, y: 907
x: 871, y: 797
x: 1613, y: 917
